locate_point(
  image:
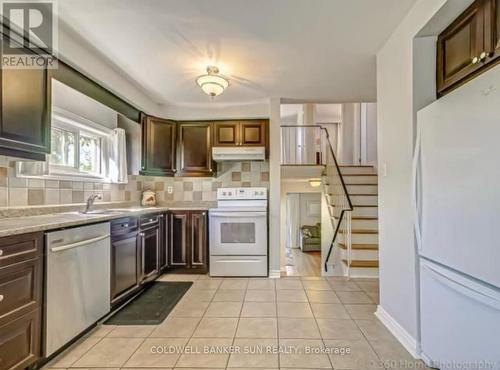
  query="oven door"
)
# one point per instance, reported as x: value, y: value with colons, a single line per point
x: 238, y: 233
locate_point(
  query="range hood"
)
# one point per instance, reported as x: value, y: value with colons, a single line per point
x: 239, y: 153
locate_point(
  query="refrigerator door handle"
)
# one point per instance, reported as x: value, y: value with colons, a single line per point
x: 414, y: 191
x: 463, y: 289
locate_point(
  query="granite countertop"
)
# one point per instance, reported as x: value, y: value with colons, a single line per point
x: 25, y: 223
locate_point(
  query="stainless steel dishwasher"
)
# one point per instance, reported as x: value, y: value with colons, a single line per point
x: 78, y: 281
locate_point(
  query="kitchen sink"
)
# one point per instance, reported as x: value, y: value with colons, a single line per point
x: 96, y: 212
x: 99, y: 212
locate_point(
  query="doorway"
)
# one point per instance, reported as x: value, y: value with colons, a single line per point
x: 303, y: 234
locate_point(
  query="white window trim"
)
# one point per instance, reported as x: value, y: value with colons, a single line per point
x: 66, y: 120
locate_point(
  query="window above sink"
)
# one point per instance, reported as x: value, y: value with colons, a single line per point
x: 78, y: 147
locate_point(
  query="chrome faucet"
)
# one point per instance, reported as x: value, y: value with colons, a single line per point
x: 90, y: 201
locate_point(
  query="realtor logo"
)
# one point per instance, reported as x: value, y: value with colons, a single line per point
x: 29, y: 34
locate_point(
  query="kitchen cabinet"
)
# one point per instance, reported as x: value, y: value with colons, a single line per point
x: 468, y: 46
x: 150, y: 246
x: 194, y: 147
x: 178, y: 245
x: 165, y: 239
x: 158, y: 146
x: 125, y: 258
x: 188, y: 247
x: 253, y: 133
x: 24, y: 111
x: 20, y: 341
x: 226, y: 133
x: 21, y: 292
x: 241, y: 133
x: 198, y: 249
x: 136, y: 246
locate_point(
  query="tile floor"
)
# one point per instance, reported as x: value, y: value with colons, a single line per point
x: 299, y: 323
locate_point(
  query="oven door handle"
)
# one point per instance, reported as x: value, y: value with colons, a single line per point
x: 238, y: 214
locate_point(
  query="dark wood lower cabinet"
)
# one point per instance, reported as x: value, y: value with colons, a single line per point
x: 150, y: 247
x: 21, y: 292
x: 198, y: 247
x: 125, y: 272
x: 165, y: 238
x: 20, y: 341
x: 178, y: 245
x: 136, y: 246
x: 188, y: 247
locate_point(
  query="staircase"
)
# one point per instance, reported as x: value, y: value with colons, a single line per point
x: 350, y: 192
x: 362, y: 186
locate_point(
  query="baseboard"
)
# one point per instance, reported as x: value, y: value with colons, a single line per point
x: 411, y: 345
x: 274, y: 274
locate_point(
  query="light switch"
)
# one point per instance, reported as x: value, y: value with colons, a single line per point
x: 170, y: 189
x: 384, y: 169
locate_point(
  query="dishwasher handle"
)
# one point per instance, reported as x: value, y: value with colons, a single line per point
x: 79, y: 244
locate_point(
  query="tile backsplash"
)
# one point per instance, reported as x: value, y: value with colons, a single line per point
x: 18, y: 192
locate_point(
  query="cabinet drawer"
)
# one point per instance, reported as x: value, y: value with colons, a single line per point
x: 20, y: 248
x: 149, y: 221
x: 123, y: 226
x: 20, y: 289
x: 20, y: 341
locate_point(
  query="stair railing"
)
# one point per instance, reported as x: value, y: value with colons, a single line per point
x: 311, y: 145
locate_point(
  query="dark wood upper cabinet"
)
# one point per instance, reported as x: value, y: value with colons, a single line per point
x: 468, y: 46
x: 158, y: 146
x: 24, y: 112
x: 194, y: 147
x: 226, y: 133
x: 253, y: 133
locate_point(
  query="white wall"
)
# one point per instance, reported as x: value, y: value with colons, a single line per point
x: 369, y: 134
x: 275, y: 236
x: 216, y: 111
x: 348, y: 133
x: 92, y: 62
x: 404, y: 84
x: 75, y: 102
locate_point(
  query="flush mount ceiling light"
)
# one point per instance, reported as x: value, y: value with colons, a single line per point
x: 212, y: 83
x: 315, y: 182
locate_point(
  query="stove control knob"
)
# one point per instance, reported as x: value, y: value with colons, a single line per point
x: 223, y: 193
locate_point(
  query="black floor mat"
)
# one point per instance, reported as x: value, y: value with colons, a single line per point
x: 152, y: 306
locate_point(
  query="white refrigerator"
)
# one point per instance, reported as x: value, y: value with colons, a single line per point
x: 457, y: 225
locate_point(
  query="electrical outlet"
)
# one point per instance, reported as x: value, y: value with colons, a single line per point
x: 170, y: 189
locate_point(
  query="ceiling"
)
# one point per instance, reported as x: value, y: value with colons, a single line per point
x: 321, y: 50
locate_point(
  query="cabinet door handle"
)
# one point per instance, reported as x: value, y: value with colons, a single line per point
x: 1, y: 298
x: 1, y: 252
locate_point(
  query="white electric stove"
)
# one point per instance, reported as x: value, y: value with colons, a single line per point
x: 238, y: 233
